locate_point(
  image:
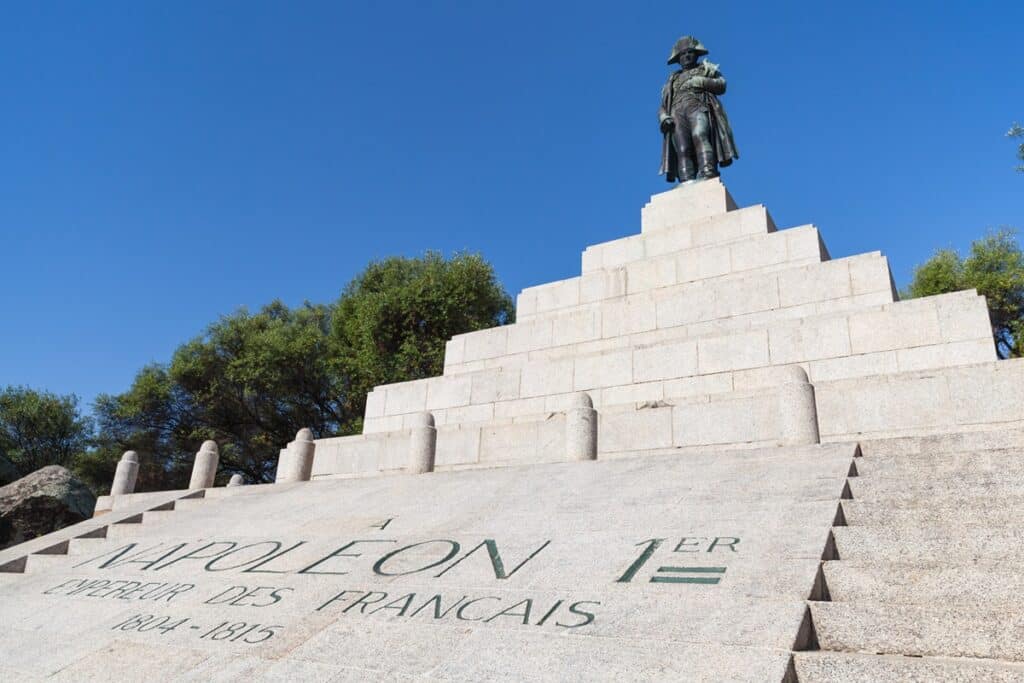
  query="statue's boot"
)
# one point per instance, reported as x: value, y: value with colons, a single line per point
x: 687, y: 169
x: 708, y: 164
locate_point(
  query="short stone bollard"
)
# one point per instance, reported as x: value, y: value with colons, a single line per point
x: 236, y: 480
x: 204, y: 469
x: 298, y: 466
x: 798, y: 413
x: 126, y: 474
x: 422, y: 444
x: 581, y: 428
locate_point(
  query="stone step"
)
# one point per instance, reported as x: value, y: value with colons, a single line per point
x: 41, y: 563
x: 750, y: 222
x: 79, y: 547
x: 905, y: 583
x: 116, y: 532
x: 972, y: 463
x: 880, y: 489
x: 838, y: 667
x: 189, y: 503
x: 855, y: 282
x: 833, y: 345
x: 154, y: 517
x: 929, y: 543
x: 979, y: 510
x: 979, y: 440
x: 800, y: 246
x: 915, y: 630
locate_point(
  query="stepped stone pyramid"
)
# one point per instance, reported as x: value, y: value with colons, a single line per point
x: 718, y: 454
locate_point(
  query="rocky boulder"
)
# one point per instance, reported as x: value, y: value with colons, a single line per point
x: 46, y: 500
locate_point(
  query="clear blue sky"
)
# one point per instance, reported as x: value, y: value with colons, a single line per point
x: 165, y: 163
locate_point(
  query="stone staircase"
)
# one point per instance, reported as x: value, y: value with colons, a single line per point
x: 749, y: 459
x: 926, y: 567
x: 707, y: 312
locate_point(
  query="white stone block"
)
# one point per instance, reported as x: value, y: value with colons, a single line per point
x: 488, y: 343
x: 603, y: 370
x: 698, y: 386
x: 495, y: 385
x: 556, y: 295
x: 762, y: 252
x: 669, y: 241
x: 685, y: 203
x: 602, y: 284
x: 576, y: 327
x: 643, y: 276
x: 388, y: 423
x: 870, y: 274
x: 546, y: 378
x: 620, y: 252
x: 665, y: 361
x: 732, y: 421
x: 530, y: 335
x: 963, y: 318
x: 591, y: 259
x: 804, y: 242
x: 989, y: 393
x: 405, y: 397
x: 733, y: 352
x: 629, y: 394
x: 946, y: 355
x: 685, y: 307
x: 627, y: 430
x: 752, y: 220
x: 448, y: 392
x: 848, y: 408
x: 896, y: 327
x: 526, y: 304
x: 863, y: 365
x: 701, y: 264
x: 469, y: 414
x: 810, y: 340
x: 534, y: 441
x: 459, y: 446
x: 395, y: 455
x: 828, y: 280
x: 454, y: 350
x: 375, y: 403
x: 860, y: 302
x: 747, y: 295
x: 519, y: 407
x: 628, y: 316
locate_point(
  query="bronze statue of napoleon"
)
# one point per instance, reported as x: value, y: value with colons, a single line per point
x: 697, y: 136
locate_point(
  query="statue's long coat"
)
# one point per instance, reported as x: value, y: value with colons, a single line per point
x: 725, y: 146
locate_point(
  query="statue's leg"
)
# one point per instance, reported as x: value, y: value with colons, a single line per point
x: 707, y: 160
x: 682, y: 140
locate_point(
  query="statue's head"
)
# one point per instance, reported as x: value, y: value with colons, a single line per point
x: 686, y: 51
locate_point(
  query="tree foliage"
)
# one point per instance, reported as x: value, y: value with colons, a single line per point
x: 994, y: 267
x: 1016, y: 131
x: 393, y: 320
x: 39, y: 428
x: 252, y: 380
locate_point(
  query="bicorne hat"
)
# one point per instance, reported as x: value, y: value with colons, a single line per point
x: 683, y: 44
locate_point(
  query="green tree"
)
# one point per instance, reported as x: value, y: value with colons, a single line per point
x: 39, y: 428
x: 393, y: 320
x: 1016, y: 131
x: 249, y: 382
x: 994, y: 267
x: 252, y: 380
